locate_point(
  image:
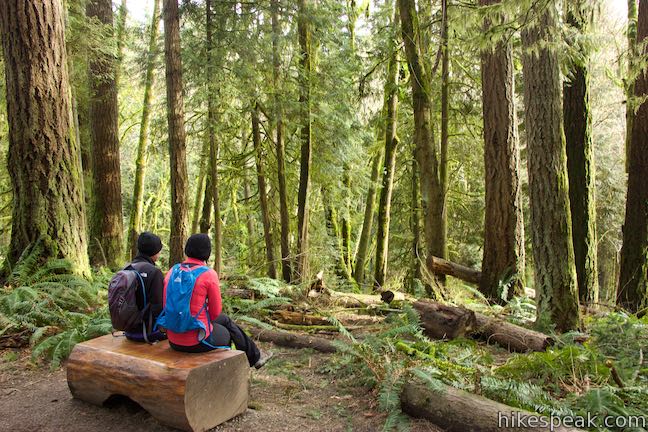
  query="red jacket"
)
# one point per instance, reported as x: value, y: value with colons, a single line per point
x: 206, y: 290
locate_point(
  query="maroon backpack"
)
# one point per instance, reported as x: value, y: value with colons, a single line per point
x: 122, y: 299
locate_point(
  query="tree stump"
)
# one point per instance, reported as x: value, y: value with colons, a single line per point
x: 193, y: 392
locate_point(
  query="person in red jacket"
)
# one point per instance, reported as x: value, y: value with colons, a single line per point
x: 222, y: 330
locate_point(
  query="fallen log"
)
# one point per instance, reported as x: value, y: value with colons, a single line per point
x: 511, y: 336
x: 354, y: 300
x: 441, y: 266
x: 447, y: 322
x: 299, y: 318
x: 292, y: 340
x: 243, y: 293
x: 456, y: 410
x: 444, y: 322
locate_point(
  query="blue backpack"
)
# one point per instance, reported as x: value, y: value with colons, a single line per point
x: 176, y: 315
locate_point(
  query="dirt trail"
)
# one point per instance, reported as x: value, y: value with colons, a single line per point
x: 289, y: 394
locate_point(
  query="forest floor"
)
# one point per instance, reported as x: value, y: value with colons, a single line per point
x: 292, y: 392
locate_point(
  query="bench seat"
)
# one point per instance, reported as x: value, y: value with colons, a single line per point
x: 193, y: 392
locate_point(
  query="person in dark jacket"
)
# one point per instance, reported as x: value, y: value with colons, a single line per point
x: 149, y: 247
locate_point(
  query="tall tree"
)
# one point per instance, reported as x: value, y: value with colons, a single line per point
x: 121, y: 36
x: 43, y: 156
x: 284, y: 215
x: 106, y: 227
x: 551, y: 233
x: 135, y: 224
x: 263, y: 193
x: 364, y: 240
x: 214, y: 150
x: 504, y: 225
x: 445, y: 120
x: 432, y: 194
x: 633, y: 279
x: 305, y: 62
x: 580, y: 157
x: 631, y: 34
x: 390, y: 113
x: 177, y: 137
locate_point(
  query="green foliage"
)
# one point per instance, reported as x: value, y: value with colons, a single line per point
x: 58, y: 308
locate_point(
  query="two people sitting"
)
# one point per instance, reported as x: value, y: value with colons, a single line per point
x: 216, y: 329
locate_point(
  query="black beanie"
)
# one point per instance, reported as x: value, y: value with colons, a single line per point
x: 149, y: 244
x: 198, y: 246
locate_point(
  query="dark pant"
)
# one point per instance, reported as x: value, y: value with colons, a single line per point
x: 224, y: 333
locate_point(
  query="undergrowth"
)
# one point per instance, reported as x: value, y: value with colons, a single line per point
x: 568, y: 379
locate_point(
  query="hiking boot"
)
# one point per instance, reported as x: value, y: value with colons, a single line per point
x: 265, y: 356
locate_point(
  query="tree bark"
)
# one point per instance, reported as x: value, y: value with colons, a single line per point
x: 201, y: 187
x: 415, y: 217
x: 365, y: 234
x: 443, y: 151
x: 633, y: 280
x: 445, y: 267
x: 135, y: 224
x: 432, y: 195
x: 214, y: 145
x: 504, y: 224
x: 456, y: 410
x: 106, y: 227
x: 177, y: 136
x: 263, y: 194
x: 291, y: 340
x: 631, y: 34
x: 43, y: 157
x: 305, y: 34
x: 334, y: 232
x: 121, y: 35
x: 284, y: 215
x: 553, y: 250
x: 390, y: 112
x: 580, y: 161
x: 206, y: 214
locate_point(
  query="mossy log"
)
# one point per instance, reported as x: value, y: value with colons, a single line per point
x: 441, y: 266
x: 193, y: 392
x: 355, y: 300
x: 445, y: 322
x: 299, y: 318
x: 510, y: 336
x: 292, y: 340
x: 456, y: 410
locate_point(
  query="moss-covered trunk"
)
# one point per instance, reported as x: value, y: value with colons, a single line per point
x: 43, y: 156
x: 432, y: 195
x: 305, y: 34
x: 263, y: 194
x: 106, y: 224
x: 633, y: 280
x: 551, y: 233
x: 177, y: 134
x: 580, y: 161
x: 137, y: 206
x: 503, y: 259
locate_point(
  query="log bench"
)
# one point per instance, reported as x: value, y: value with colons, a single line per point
x: 193, y: 392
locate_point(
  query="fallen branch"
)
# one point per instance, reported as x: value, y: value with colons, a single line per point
x: 292, y: 340
x: 441, y: 266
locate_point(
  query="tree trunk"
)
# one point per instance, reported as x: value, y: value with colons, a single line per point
x: 631, y: 34
x: 121, y: 35
x: 43, y: 157
x: 415, y: 226
x: 334, y: 231
x: 441, y: 266
x: 365, y: 234
x: 456, y: 410
x: 443, y: 154
x: 580, y: 161
x: 214, y: 145
x: 142, y: 146
x: 284, y: 215
x: 503, y: 259
x: 201, y: 187
x: 390, y: 111
x: 263, y: 194
x: 106, y: 226
x: 633, y: 280
x: 445, y: 322
x: 177, y: 137
x: 553, y: 250
x: 432, y: 195
x: 303, y: 28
